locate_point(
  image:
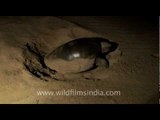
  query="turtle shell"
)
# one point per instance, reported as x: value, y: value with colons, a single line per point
x: 79, y: 55
x: 75, y: 56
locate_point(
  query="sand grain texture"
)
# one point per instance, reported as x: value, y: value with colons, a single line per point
x: 135, y: 73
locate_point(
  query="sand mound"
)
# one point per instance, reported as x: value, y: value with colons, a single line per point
x: 135, y: 74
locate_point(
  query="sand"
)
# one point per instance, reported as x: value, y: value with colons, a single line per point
x: 135, y: 74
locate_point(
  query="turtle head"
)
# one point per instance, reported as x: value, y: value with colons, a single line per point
x: 108, y: 47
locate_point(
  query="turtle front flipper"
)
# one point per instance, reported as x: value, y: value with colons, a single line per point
x: 102, y: 62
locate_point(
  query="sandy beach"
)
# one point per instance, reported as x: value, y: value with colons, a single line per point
x: 134, y: 73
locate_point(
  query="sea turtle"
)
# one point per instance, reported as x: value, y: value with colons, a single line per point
x: 76, y: 56
x: 80, y: 55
